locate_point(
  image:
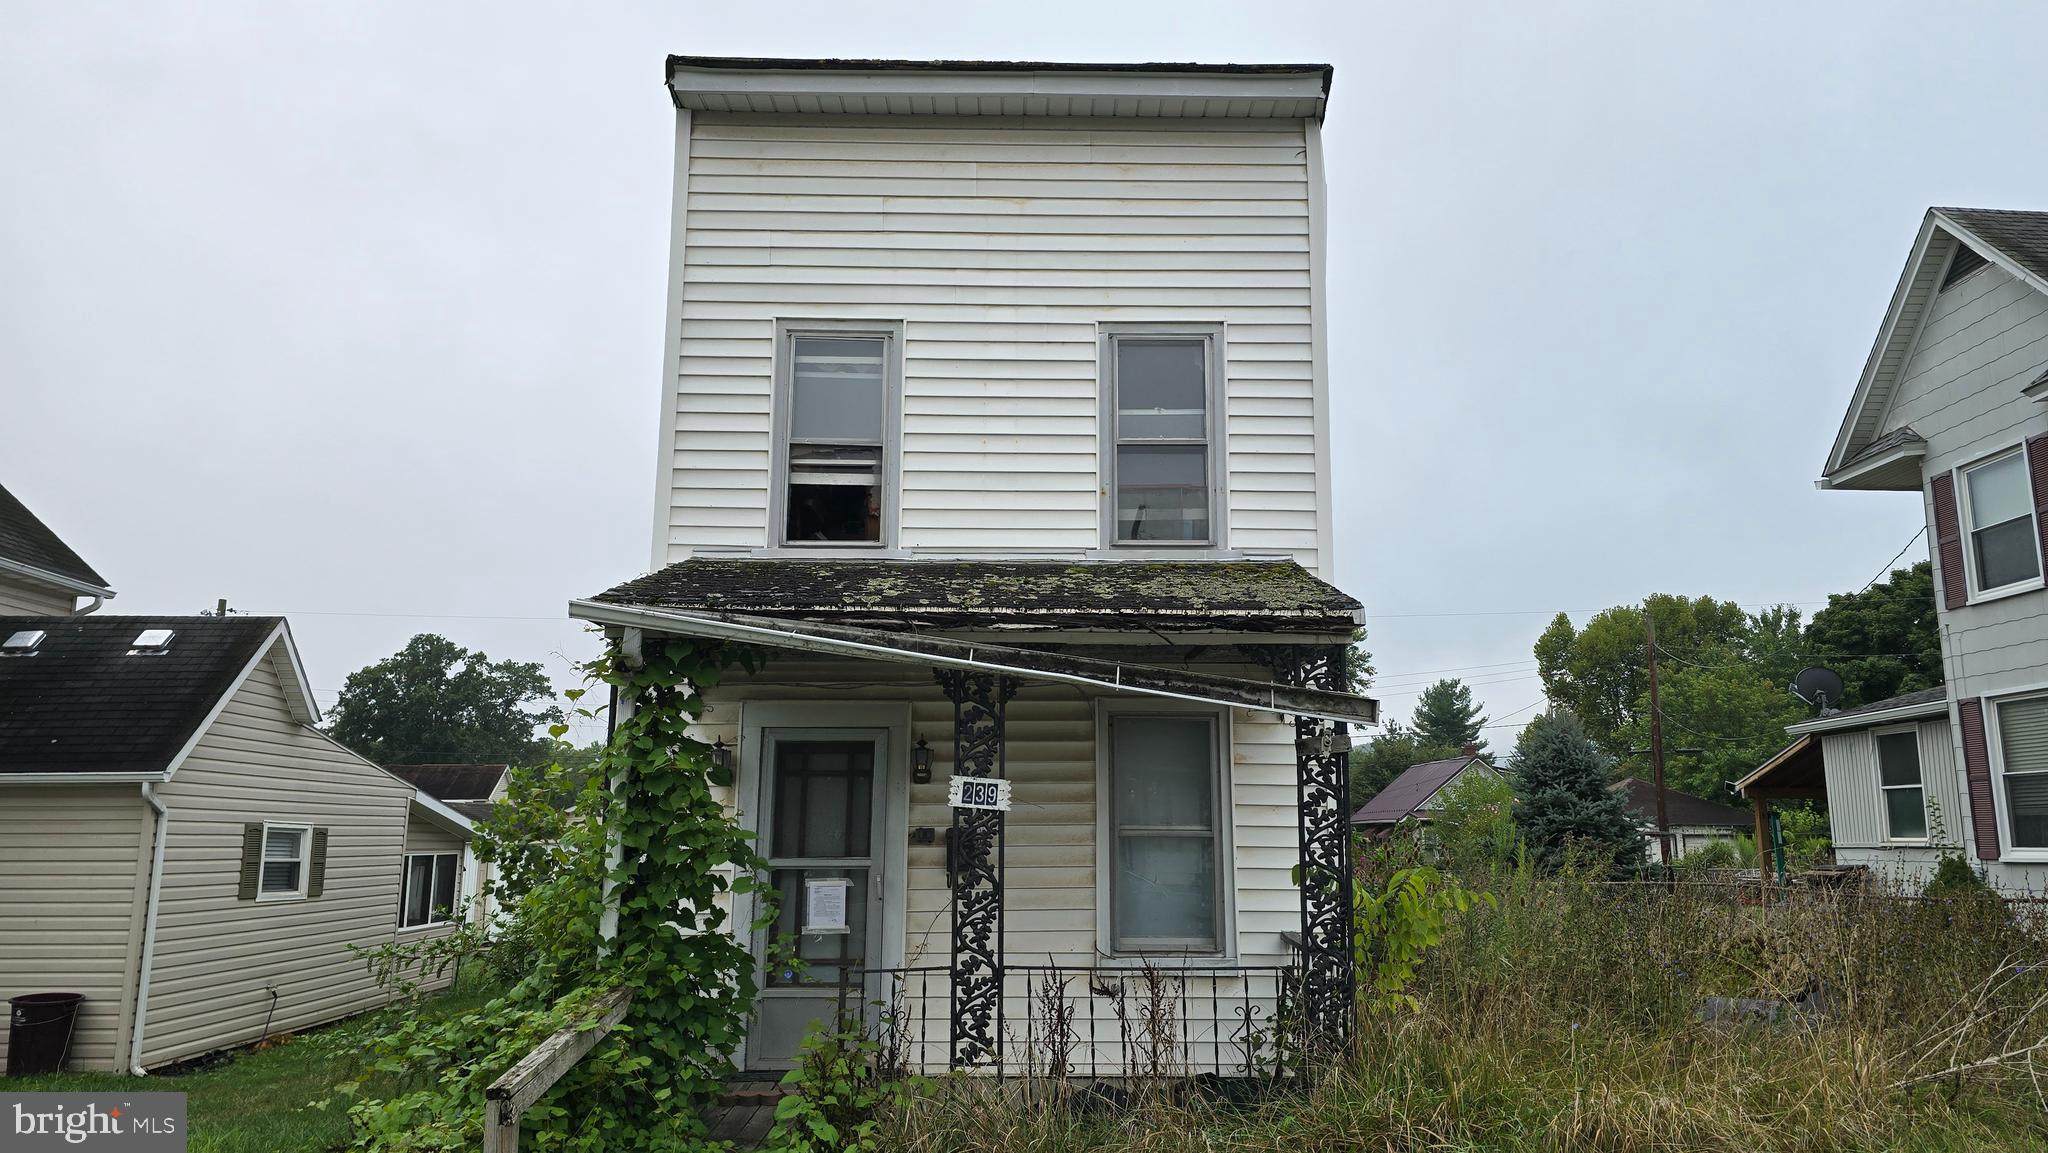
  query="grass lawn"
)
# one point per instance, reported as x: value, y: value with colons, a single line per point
x: 254, y: 1102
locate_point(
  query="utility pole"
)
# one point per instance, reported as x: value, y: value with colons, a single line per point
x: 1657, y: 742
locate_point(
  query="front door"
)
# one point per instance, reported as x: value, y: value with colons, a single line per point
x: 820, y: 793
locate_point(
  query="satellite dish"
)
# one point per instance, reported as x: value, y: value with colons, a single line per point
x: 1818, y: 687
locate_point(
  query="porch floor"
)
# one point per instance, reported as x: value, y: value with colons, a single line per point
x: 745, y: 1113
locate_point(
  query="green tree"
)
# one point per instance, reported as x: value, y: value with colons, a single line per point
x: 1883, y: 640
x: 1562, y: 803
x: 1473, y: 826
x: 434, y: 700
x: 1446, y: 717
x: 1600, y: 672
x: 1376, y: 763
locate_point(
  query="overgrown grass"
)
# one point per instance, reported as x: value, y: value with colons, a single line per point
x: 1569, y: 1018
x: 254, y: 1101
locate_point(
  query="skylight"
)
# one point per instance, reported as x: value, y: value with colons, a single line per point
x: 151, y: 641
x: 22, y: 643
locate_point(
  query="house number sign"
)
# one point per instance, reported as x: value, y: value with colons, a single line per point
x: 979, y: 793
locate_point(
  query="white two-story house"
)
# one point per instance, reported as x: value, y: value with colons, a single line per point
x: 1950, y: 405
x: 995, y: 411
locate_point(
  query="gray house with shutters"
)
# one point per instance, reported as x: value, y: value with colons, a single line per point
x: 180, y: 844
x: 1951, y: 406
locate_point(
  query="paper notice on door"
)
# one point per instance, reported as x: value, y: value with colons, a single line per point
x: 825, y: 904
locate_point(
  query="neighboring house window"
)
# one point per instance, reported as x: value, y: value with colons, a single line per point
x: 2023, y: 765
x: 429, y: 897
x: 1998, y: 514
x: 1898, y: 776
x: 836, y: 417
x: 283, y: 871
x: 1165, y: 840
x: 1162, y: 429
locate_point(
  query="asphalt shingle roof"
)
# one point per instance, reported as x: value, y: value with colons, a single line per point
x: 2023, y: 236
x: 1904, y: 700
x: 79, y: 703
x: 25, y: 539
x: 1406, y: 793
x: 451, y: 782
x: 1166, y: 596
x: 1680, y: 809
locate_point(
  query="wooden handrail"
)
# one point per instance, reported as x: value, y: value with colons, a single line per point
x: 523, y: 1084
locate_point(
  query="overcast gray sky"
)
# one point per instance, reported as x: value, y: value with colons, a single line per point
x: 354, y: 312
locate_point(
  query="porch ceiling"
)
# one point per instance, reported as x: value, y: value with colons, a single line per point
x: 1258, y: 597
x: 1025, y: 664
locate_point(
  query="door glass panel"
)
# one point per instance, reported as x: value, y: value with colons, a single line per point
x: 823, y: 799
x: 825, y: 959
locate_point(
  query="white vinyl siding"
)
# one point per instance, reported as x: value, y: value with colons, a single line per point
x: 1000, y: 246
x: 28, y: 598
x: 216, y: 954
x: 1856, y: 807
x: 73, y: 880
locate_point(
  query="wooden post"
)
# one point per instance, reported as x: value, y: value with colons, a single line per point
x: 523, y: 1084
x: 1762, y: 808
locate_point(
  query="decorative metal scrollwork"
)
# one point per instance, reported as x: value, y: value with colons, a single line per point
x: 977, y: 860
x: 1322, y: 757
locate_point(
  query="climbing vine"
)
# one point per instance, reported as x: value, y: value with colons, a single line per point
x: 681, y: 856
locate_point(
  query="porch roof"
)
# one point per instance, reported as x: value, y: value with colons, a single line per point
x: 1138, y: 596
x: 904, y: 647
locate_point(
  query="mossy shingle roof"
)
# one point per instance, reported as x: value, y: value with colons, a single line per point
x: 1166, y: 596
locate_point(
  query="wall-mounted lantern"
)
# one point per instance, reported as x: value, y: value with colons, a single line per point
x: 721, y: 756
x: 921, y: 763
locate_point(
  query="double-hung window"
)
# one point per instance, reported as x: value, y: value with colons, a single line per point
x: 1998, y: 516
x: 429, y: 897
x: 283, y: 868
x: 1165, y: 845
x: 1162, y: 428
x: 2023, y: 770
x: 836, y: 411
x: 1898, y: 779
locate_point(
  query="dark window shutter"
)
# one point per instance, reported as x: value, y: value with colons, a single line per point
x: 1977, y: 770
x: 1948, y: 541
x: 2037, y: 471
x: 316, y: 870
x: 252, y: 861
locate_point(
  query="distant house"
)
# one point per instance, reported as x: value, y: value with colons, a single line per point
x: 39, y: 574
x: 182, y: 846
x: 1418, y: 791
x: 1949, y: 407
x: 471, y: 790
x: 1693, y: 822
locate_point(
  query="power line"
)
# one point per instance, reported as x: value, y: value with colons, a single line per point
x: 1888, y: 566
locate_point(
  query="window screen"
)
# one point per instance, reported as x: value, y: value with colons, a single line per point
x: 1161, y: 431
x: 284, y: 860
x: 2023, y: 745
x: 1166, y: 887
x: 838, y: 413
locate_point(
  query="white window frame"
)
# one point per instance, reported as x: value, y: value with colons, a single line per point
x: 1994, y: 748
x: 1966, y: 525
x: 786, y: 332
x: 1884, y: 812
x: 1225, y: 948
x: 305, y: 860
x: 1214, y: 349
x: 405, y: 891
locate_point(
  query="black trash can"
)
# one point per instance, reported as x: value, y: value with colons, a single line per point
x: 39, y: 1032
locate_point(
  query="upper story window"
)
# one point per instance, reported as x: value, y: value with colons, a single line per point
x: 1162, y: 427
x: 837, y: 410
x: 1898, y: 778
x: 1998, y: 518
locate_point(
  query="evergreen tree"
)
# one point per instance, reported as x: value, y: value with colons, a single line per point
x: 1562, y: 803
x: 1446, y: 717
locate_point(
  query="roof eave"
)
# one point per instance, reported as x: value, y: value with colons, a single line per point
x: 83, y: 778
x: 1845, y: 722
x: 67, y: 583
x: 1897, y: 469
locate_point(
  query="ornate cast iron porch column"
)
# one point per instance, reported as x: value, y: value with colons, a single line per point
x: 1322, y: 760
x: 976, y: 856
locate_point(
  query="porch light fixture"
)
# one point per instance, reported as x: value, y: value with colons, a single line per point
x: 921, y: 763
x: 721, y: 757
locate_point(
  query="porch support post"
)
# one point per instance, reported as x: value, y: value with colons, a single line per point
x: 1322, y: 759
x: 975, y: 857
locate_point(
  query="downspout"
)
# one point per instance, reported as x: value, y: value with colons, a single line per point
x: 156, y: 877
x: 94, y: 607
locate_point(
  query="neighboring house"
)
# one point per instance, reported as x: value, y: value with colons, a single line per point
x: 1950, y: 405
x: 470, y: 790
x: 39, y: 574
x: 1419, y: 791
x: 182, y: 846
x: 1692, y: 822
x: 1889, y: 773
x: 994, y: 403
